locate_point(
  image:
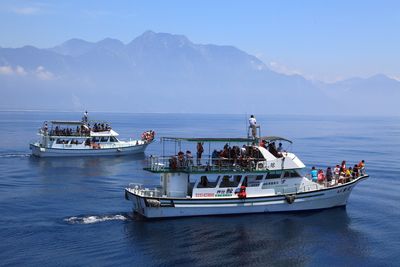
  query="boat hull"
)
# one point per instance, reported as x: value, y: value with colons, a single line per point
x: 312, y: 200
x: 57, y: 152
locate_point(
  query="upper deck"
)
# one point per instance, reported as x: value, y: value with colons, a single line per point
x: 67, y: 129
x: 250, y: 157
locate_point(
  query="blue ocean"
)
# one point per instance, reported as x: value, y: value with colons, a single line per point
x: 72, y: 211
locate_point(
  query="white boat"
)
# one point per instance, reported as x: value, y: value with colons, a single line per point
x: 260, y: 180
x: 84, y: 138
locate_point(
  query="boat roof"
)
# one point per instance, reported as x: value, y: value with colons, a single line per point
x: 274, y: 138
x: 67, y: 122
x: 77, y: 122
x: 223, y: 139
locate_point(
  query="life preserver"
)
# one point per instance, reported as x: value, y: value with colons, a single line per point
x: 260, y: 165
x: 242, y: 192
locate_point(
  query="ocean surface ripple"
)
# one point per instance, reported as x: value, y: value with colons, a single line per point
x: 72, y: 211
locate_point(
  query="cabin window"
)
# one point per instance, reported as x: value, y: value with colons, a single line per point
x: 291, y: 174
x: 252, y: 180
x: 113, y: 139
x: 62, y: 141
x: 205, y: 183
x: 104, y: 139
x: 229, y: 181
x: 274, y: 175
x: 95, y: 139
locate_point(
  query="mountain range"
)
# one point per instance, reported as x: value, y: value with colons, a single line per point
x: 162, y: 72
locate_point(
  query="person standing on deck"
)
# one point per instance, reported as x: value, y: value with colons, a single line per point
x: 85, y: 117
x: 253, y: 126
x: 200, y: 151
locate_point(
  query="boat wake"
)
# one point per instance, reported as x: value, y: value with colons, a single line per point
x: 90, y: 219
x: 14, y: 155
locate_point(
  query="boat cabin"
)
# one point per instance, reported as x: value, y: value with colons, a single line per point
x: 242, y: 162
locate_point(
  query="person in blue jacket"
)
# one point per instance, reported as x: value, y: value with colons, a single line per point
x: 314, y: 174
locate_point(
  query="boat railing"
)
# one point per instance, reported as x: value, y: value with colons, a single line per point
x: 174, y: 163
x: 53, y: 133
x: 141, y: 190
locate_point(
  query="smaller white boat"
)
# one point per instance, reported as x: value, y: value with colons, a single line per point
x: 84, y: 138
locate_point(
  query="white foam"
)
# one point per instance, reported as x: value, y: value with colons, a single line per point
x: 14, y: 155
x: 94, y: 219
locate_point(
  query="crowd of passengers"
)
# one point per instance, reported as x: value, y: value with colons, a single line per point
x: 81, y: 130
x: 245, y: 156
x: 340, y: 174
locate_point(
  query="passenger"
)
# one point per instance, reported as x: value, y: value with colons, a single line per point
x: 263, y: 144
x: 329, y: 175
x: 272, y: 149
x: 343, y: 165
x: 225, y: 182
x: 321, y: 176
x: 355, y: 173
x: 347, y: 175
x: 189, y: 158
x: 314, y: 174
x: 200, y: 151
x: 361, y: 167
x: 204, y: 181
x: 181, y: 159
x: 234, y: 154
x: 173, y: 163
x: 85, y: 117
x: 280, y: 148
x: 243, y: 150
x: 215, y: 156
x: 253, y: 126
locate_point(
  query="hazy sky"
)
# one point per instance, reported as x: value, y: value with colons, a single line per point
x: 325, y: 40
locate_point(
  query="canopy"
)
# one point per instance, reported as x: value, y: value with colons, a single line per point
x: 224, y: 139
x: 208, y: 139
x: 274, y: 138
x: 67, y: 122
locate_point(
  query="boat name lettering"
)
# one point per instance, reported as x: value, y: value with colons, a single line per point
x: 344, y: 189
x: 204, y: 194
x: 223, y: 195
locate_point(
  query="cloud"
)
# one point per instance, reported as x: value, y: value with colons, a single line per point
x: 40, y: 72
x: 43, y: 74
x: 20, y: 71
x: 394, y: 77
x: 26, y: 10
x: 8, y: 70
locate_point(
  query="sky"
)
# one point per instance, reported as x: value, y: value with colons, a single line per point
x: 320, y: 40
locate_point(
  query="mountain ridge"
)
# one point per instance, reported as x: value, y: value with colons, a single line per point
x: 177, y: 71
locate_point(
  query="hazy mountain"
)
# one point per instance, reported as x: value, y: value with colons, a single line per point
x: 161, y: 72
x: 375, y: 95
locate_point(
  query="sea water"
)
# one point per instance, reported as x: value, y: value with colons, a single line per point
x: 72, y: 211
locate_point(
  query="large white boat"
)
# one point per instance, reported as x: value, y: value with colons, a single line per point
x: 254, y: 178
x: 84, y: 138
